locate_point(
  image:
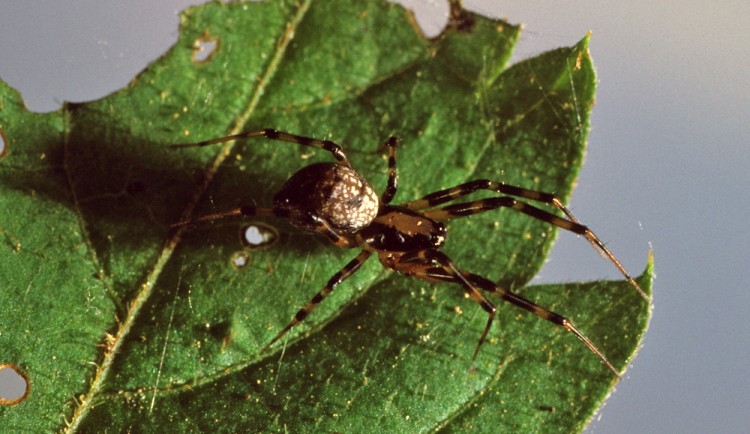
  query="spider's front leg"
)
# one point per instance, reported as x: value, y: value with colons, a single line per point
x: 247, y: 210
x: 272, y: 134
x: 464, y: 209
x: 435, y: 265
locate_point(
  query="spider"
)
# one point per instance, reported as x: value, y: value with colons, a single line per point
x: 334, y: 200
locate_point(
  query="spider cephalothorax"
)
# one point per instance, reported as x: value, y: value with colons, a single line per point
x: 334, y: 200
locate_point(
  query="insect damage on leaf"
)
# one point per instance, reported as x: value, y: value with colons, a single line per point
x: 258, y: 235
x: 3, y: 144
x: 240, y: 259
x: 14, y: 385
x: 205, y: 47
x: 108, y: 190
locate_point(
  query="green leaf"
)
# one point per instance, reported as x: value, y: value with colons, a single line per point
x: 121, y: 321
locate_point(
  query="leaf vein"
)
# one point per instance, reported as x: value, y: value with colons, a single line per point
x: 113, y: 344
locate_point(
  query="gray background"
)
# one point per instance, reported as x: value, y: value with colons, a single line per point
x: 667, y: 168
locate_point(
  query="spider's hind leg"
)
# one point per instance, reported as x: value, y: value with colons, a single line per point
x: 337, y: 278
x: 435, y: 265
x: 539, y: 311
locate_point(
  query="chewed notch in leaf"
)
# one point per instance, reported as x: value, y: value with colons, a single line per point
x: 3, y: 144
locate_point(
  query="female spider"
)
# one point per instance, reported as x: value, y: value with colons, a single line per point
x: 334, y: 200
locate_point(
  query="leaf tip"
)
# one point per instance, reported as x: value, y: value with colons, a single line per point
x: 584, y: 43
x: 646, y: 278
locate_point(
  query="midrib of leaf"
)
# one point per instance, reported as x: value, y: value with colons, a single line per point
x: 114, y: 342
x: 226, y: 150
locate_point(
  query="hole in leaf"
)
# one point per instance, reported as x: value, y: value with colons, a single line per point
x: 3, y: 144
x: 256, y: 235
x: 547, y: 408
x: 240, y: 259
x: 14, y: 385
x: 204, y: 48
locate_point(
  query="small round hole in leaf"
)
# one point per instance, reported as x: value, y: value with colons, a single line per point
x: 240, y: 260
x: 204, y: 48
x: 257, y: 235
x: 14, y: 385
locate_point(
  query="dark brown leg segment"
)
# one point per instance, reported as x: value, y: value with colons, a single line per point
x: 434, y: 265
x: 539, y: 311
x: 392, y: 187
x: 449, y: 194
x: 337, y: 278
x: 247, y: 210
x: 272, y: 134
x: 464, y: 209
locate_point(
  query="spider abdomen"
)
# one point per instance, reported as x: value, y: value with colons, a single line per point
x: 332, y: 192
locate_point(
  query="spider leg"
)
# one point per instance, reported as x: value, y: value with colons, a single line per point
x: 572, y: 224
x: 325, y: 145
x: 324, y: 228
x: 337, y: 278
x: 247, y: 210
x: 539, y: 311
x: 392, y: 187
x: 435, y: 265
x: 442, y: 196
x: 449, y: 194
